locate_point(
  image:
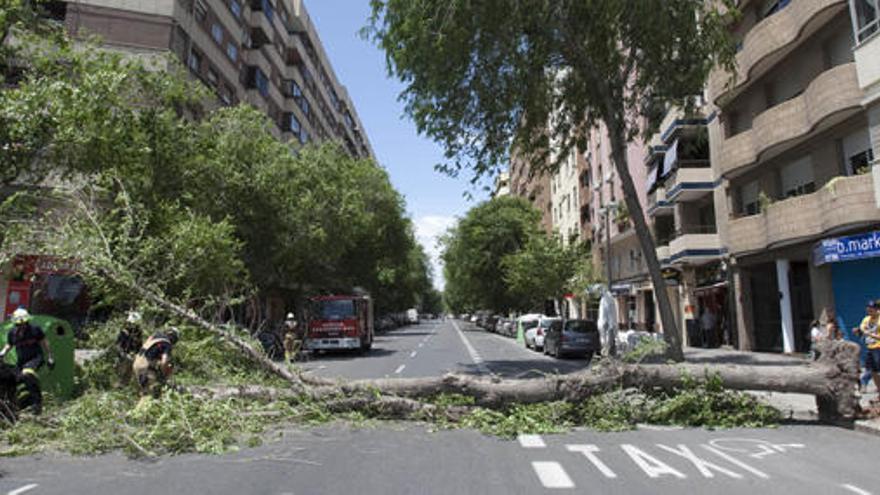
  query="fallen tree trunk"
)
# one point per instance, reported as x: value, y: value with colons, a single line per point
x: 832, y: 380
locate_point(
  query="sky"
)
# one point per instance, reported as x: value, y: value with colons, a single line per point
x: 433, y: 199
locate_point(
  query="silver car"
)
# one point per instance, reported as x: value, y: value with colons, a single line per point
x: 535, y: 336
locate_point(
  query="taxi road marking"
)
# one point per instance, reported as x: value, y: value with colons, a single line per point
x: 531, y: 441
x: 552, y: 475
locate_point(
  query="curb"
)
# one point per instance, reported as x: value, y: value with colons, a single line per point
x: 869, y: 426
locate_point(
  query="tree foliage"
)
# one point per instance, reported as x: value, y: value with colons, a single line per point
x: 201, y: 202
x: 546, y: 269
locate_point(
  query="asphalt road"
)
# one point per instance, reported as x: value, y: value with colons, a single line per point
x: 393, y: 458
x: 435, y: 347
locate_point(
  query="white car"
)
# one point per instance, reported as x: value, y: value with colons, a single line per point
x: 534, y: 336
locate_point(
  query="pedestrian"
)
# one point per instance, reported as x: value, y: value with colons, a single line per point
x: 707, y: 326
x: 152, y: 366
x: 291, y: 338
x: 870, y: 330
x: 128, y: 342
x: 817, y: 335
x: 31, y: 350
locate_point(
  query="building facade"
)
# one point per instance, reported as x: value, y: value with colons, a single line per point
x: 263, y: 52
x: 533, y: 185
x: 792, y: 155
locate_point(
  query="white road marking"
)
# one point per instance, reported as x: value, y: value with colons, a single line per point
x: 589, y: 452
x: 855, y: 489
x: 652, y: 466
x: 399, y: 369
x: 735, y: 461
x: 552, y: 475
x: 531, y: 441
x: 421, y: 344
x: 764, y: 448
x: 704, y: 467
x: 475, y: 356
x: 25, y: 488
x: 412, y: 354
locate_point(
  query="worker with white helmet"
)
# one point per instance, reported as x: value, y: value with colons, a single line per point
x: 292, y: 341
x: 31, y: 349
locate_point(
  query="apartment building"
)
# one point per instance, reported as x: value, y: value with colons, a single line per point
x: 565, y: 199
x: 533, y: 185
x: 791, y: 156
x: 681, y: 207
x: 502, y: 185
x: 263, y: 52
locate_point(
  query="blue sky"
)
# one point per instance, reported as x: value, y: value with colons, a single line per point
x: 433, y: 199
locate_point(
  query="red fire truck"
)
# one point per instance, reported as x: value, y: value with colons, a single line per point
x: 340, y: 322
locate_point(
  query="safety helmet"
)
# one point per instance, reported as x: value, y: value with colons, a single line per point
x: 20, y: 316
x: 291, y: 316
x: 173, y: 335
x: 133, y: 317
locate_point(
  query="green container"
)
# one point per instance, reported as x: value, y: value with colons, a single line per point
x: 59, y: 333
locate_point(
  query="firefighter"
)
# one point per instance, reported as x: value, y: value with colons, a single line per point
x: 31, y: 349
x: 292, y: 340
x: 128, y: 342
x: 152, y: 366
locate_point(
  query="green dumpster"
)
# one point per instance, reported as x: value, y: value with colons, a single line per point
x: 59, y: 333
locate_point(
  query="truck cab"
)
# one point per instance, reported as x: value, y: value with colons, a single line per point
x: 340, y: 322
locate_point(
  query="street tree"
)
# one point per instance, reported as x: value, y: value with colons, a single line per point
x: 474, y: 249
x: 483, y: 78
x: 545, y: 269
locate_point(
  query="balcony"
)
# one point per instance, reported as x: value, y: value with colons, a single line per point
x: 688, y: 184
x: 831, y: 97
x: 769, y: 41
x: 657, y: 203
x: 867, y: 54
x: 843, y: 202
x: 695, y: 249
x: 262, y: 29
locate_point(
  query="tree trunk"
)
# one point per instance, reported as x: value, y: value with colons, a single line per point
x: 831, y: 379
x: 667, y: 318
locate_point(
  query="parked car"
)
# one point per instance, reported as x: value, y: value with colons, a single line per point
x: 534, y: 337
x: 573, y: 337
x: 504, y: 326
x: 492, y: 323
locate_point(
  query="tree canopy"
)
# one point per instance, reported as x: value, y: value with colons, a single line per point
x: 195, y: 200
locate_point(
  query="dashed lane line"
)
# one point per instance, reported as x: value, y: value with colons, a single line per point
x: 475, y: 356
x: 413, y: 354
x: 399, y: 369
x: 25, y: 488
x: 855, y: 489
x: 552, y: 474
x: 531, y: 441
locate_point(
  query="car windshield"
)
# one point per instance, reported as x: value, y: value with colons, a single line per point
x: 529, y: 324
x: 334, y: 309
x: 580, y: 326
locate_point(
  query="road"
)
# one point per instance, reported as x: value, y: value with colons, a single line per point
x: 407, y: 458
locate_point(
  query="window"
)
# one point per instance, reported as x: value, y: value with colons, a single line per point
x: 235, y: 8
x: 217, y: 33
x: 857, y: 153
x: 226, y: 95
x: 195, y: 61
x: 797, y: 178
x: 261, y: 82
x: 774, y: 6
x: 304, y: 106
x: 864, y: 18
x: 232, y: 52
x: 294, y: 126
x: 295, y: 90
x: 304, y: 136
x: 268, y: 10
x: 201, y: 12
x: 749, y: 199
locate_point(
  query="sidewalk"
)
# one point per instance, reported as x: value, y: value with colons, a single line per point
x: 799, y: 407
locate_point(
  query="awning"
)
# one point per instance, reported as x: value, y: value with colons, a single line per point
x: 850, y: 248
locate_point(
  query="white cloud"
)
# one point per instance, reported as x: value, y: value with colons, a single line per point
x: 429, y: 228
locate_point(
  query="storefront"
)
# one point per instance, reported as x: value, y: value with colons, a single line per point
x: 855, y: 274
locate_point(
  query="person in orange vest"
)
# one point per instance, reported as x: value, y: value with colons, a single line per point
x: 152, y: 366
x: 31, y: 349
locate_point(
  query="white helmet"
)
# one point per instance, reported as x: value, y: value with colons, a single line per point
x: 20, y: 316
x: 133, y: 317
x: 290, y: 316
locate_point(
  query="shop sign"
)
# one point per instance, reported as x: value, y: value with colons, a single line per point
x: 855, y: 247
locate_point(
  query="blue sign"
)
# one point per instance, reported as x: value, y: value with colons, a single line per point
x: 855, y: 247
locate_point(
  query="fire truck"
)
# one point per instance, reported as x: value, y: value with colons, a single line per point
x: 339, y: 322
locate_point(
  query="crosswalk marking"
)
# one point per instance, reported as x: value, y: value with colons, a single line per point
x: 532, y: 441
x: 552, y: 475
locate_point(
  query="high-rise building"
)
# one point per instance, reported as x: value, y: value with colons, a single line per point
x: 791, y: 154
x: 534, y: 185
x: 263, y: 52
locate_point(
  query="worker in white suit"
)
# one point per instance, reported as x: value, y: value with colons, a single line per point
x: 608, y: 323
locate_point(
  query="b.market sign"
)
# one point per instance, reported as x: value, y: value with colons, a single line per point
x: 849, y: 248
